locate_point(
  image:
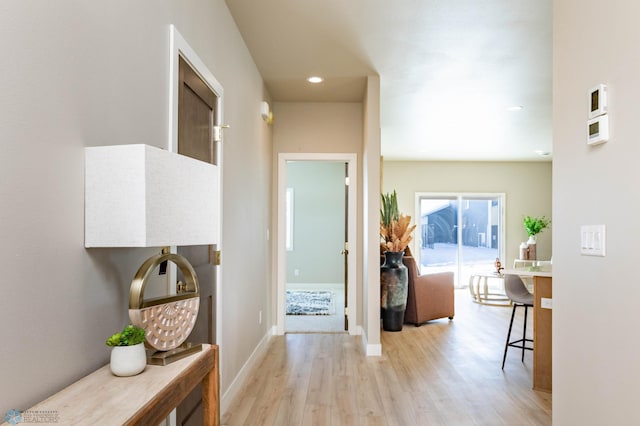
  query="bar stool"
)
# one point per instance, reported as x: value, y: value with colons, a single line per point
x: 517, y: 291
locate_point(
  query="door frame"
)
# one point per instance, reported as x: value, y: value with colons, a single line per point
x: 281, y: 273
x: 178, y: 47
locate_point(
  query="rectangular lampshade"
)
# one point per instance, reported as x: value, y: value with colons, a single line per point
x: 143, y: 196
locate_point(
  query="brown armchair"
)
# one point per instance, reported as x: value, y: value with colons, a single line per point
x: 430, y: 296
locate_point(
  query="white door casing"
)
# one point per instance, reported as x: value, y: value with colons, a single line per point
x: 281, y: 275
x: 179, y: 48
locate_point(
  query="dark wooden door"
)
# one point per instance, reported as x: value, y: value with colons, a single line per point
x: 197, y: 105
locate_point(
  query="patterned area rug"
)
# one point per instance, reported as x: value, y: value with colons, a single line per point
x: 310, y: 302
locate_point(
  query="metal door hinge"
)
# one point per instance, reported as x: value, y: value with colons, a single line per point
x: 217, y: 255
x: 346, y: 248
x: 184, y: 288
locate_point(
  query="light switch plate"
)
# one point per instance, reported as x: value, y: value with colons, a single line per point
x: 592, y: 240
x: 546, y: 303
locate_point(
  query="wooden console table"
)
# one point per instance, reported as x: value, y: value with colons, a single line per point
x: 146, y: 399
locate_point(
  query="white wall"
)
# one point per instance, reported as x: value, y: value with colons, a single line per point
x: 79, y: 74
x: 595, y: 299
x: 527, y: 186
x: 371, y: 218
x: 325, y: 127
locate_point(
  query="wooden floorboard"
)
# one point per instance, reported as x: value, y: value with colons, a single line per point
x: 442, y: 373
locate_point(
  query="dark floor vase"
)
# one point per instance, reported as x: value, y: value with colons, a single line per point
x: 393, y: 286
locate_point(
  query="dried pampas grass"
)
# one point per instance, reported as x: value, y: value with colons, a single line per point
x: 397, y: 234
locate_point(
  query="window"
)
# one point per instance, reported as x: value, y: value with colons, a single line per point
x: 462, y: 233
x: 289, y: 219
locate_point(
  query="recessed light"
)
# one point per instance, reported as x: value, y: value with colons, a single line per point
x: 315, y: 79
x: 542, y: 153
x: 515, y: 108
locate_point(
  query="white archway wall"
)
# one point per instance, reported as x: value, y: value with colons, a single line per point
x: 320, y: 131
x: 514, y: 179
x: 371, y: 217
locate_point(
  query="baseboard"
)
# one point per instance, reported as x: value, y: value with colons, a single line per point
x: 374, y: 350
x: 371, y: 349
x: 240, y: 379
x: 278, y: 330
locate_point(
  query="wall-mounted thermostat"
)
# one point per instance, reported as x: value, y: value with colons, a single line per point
x: 598, y: 101
x: 598, y: 130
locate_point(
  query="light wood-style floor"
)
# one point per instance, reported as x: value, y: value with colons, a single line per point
x: 442, y: 373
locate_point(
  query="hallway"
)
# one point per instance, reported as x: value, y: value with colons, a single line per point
x: 442, y: 373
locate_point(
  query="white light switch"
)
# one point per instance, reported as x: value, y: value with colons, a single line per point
x: 592, y: 240
x: 546, y: 303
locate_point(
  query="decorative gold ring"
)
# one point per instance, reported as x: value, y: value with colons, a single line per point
x: 140, y: 280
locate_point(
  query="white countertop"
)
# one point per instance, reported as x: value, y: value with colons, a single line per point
x: 538, y: 271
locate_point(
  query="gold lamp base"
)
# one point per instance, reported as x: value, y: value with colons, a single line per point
x: 167, y: 357
x: 167, y: 321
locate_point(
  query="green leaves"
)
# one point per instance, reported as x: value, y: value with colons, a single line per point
x: 131, y: 335
x: 389, y: 211
x: 535, y: 225
x: 114, y: 340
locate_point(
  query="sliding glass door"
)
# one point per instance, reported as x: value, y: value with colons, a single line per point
x: 462, y: 233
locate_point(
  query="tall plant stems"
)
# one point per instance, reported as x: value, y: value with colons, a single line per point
x: 389, y: 211
x: 395, y: 228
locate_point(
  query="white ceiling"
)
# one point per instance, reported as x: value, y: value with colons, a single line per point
x: 449, y: 70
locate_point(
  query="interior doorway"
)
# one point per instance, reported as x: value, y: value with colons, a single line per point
x: 316, y: 233
x: 316, y: 221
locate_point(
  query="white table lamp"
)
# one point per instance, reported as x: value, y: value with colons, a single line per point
x: 143, y: 196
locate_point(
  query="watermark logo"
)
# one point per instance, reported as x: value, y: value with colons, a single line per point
x: 13, y: 417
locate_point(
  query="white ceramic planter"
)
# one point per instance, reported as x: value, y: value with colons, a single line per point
x: 128, y: 360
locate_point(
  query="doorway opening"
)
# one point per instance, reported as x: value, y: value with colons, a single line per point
x: 315, y: 237
x: 316, y: 222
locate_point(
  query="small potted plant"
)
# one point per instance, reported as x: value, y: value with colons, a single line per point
x: 128, y: 355
x: 535, y: 225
